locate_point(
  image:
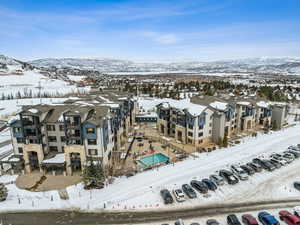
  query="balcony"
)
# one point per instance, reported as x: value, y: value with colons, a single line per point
x: 72, y: 125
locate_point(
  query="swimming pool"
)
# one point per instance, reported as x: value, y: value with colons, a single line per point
x: 152, y: 160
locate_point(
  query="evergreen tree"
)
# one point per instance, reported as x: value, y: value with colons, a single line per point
x: 93, y: 176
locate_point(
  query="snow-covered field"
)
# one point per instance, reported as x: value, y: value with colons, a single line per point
x: 141, y: 192
x: 32, y: 82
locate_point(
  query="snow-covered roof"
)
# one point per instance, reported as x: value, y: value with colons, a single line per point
x: 33, y: 110
x: 112, y: 105
x: 59, y: 158
x: 263, y: 104
x: 244, y: 103
x: 219, y: 105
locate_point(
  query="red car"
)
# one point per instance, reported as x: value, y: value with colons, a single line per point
x: 289, y: 218
x: 248, y: 219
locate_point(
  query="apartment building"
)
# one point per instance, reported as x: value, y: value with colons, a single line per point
x: 224, y: 116
x: 72, y: 132
x: 188, y: 123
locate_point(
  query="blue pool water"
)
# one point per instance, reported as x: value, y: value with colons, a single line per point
x: 153, y: 160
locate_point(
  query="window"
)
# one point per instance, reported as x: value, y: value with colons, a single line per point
x: 93, y: 151
x: 61, y: 128
x: 92, y: 141
x: 50, y: 128
x: 191, y: 126
x: 63, y: 149
x: 17, y: 129
x: 20, y: 150
x: 190, y: 134
x: 90, y: 130
x: 200, y: 134
x: 209, y: 131
x: 62, y: 138
x: 52, y: 139
x: 201, y: 127
x: 210, y: 124
x: 20, y: 140
x: 53, y: 149
x: 200, y: 141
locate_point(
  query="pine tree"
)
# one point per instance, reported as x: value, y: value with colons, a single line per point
x: 3, y: 192
x: 93, y: 176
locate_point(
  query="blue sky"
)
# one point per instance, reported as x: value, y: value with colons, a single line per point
x: 150, y: 30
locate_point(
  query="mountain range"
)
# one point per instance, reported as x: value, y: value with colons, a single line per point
x: 282, y: 66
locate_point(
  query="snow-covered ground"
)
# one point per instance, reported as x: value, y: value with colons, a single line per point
x: 32, y: 82
x: 141, y: 192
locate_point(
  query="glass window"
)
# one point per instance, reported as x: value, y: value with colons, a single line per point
x: 50, y: 128
x: 92, y: 141
x: 61, y: 127
x: 52, y: 138
x: 90, y: 130
x: 20, y: 150
x: 93, y: 152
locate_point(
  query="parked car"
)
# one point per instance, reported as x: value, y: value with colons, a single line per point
x: 199, y: 186
x: 289, y: 157
x: 239, y: 172
x: 167, y: 197
x: 248, y: 219
x: 279, y: 160
x: 250, y: 171
x: 264, y: 164
x: 212, y: 222
x: 294, y: 147
x: 179, y: 222
x: 179, y: 195
x: 217, y: 179
x: 189, y: 191
x: 195, y: 224
x: 297, y: 211
x: 289, y: 218
x: 257, y: 168
x: 228, y: 176
x: 209, y: 184
x: 275, y: 163
x: 297, y: 185
x: 295, y: 153
x: 233, y: 220
x: 267, y: 219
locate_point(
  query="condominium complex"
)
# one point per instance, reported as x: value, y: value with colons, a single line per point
x: 208, y: 118
x: 66, y: 135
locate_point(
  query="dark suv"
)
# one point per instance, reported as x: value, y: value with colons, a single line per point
x: 233, y: 220
x: 167, y: 197
x: 199, y: 186
x: 228, y: 176
x: 189, y: 191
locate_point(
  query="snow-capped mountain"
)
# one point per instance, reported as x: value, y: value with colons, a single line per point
x: 265, y: 65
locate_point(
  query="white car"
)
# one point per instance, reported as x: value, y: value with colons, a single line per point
x: 179, y: 195
x: 297, y: 211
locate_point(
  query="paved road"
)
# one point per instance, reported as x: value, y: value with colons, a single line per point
x: 107, y: 218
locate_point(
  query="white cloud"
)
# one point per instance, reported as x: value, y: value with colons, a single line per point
x: 161, y: 38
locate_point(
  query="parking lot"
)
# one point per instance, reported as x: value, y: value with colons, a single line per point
x: 221, y: 182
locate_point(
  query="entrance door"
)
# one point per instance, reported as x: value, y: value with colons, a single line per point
x: 33, y: 160
x: 75, y: 161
